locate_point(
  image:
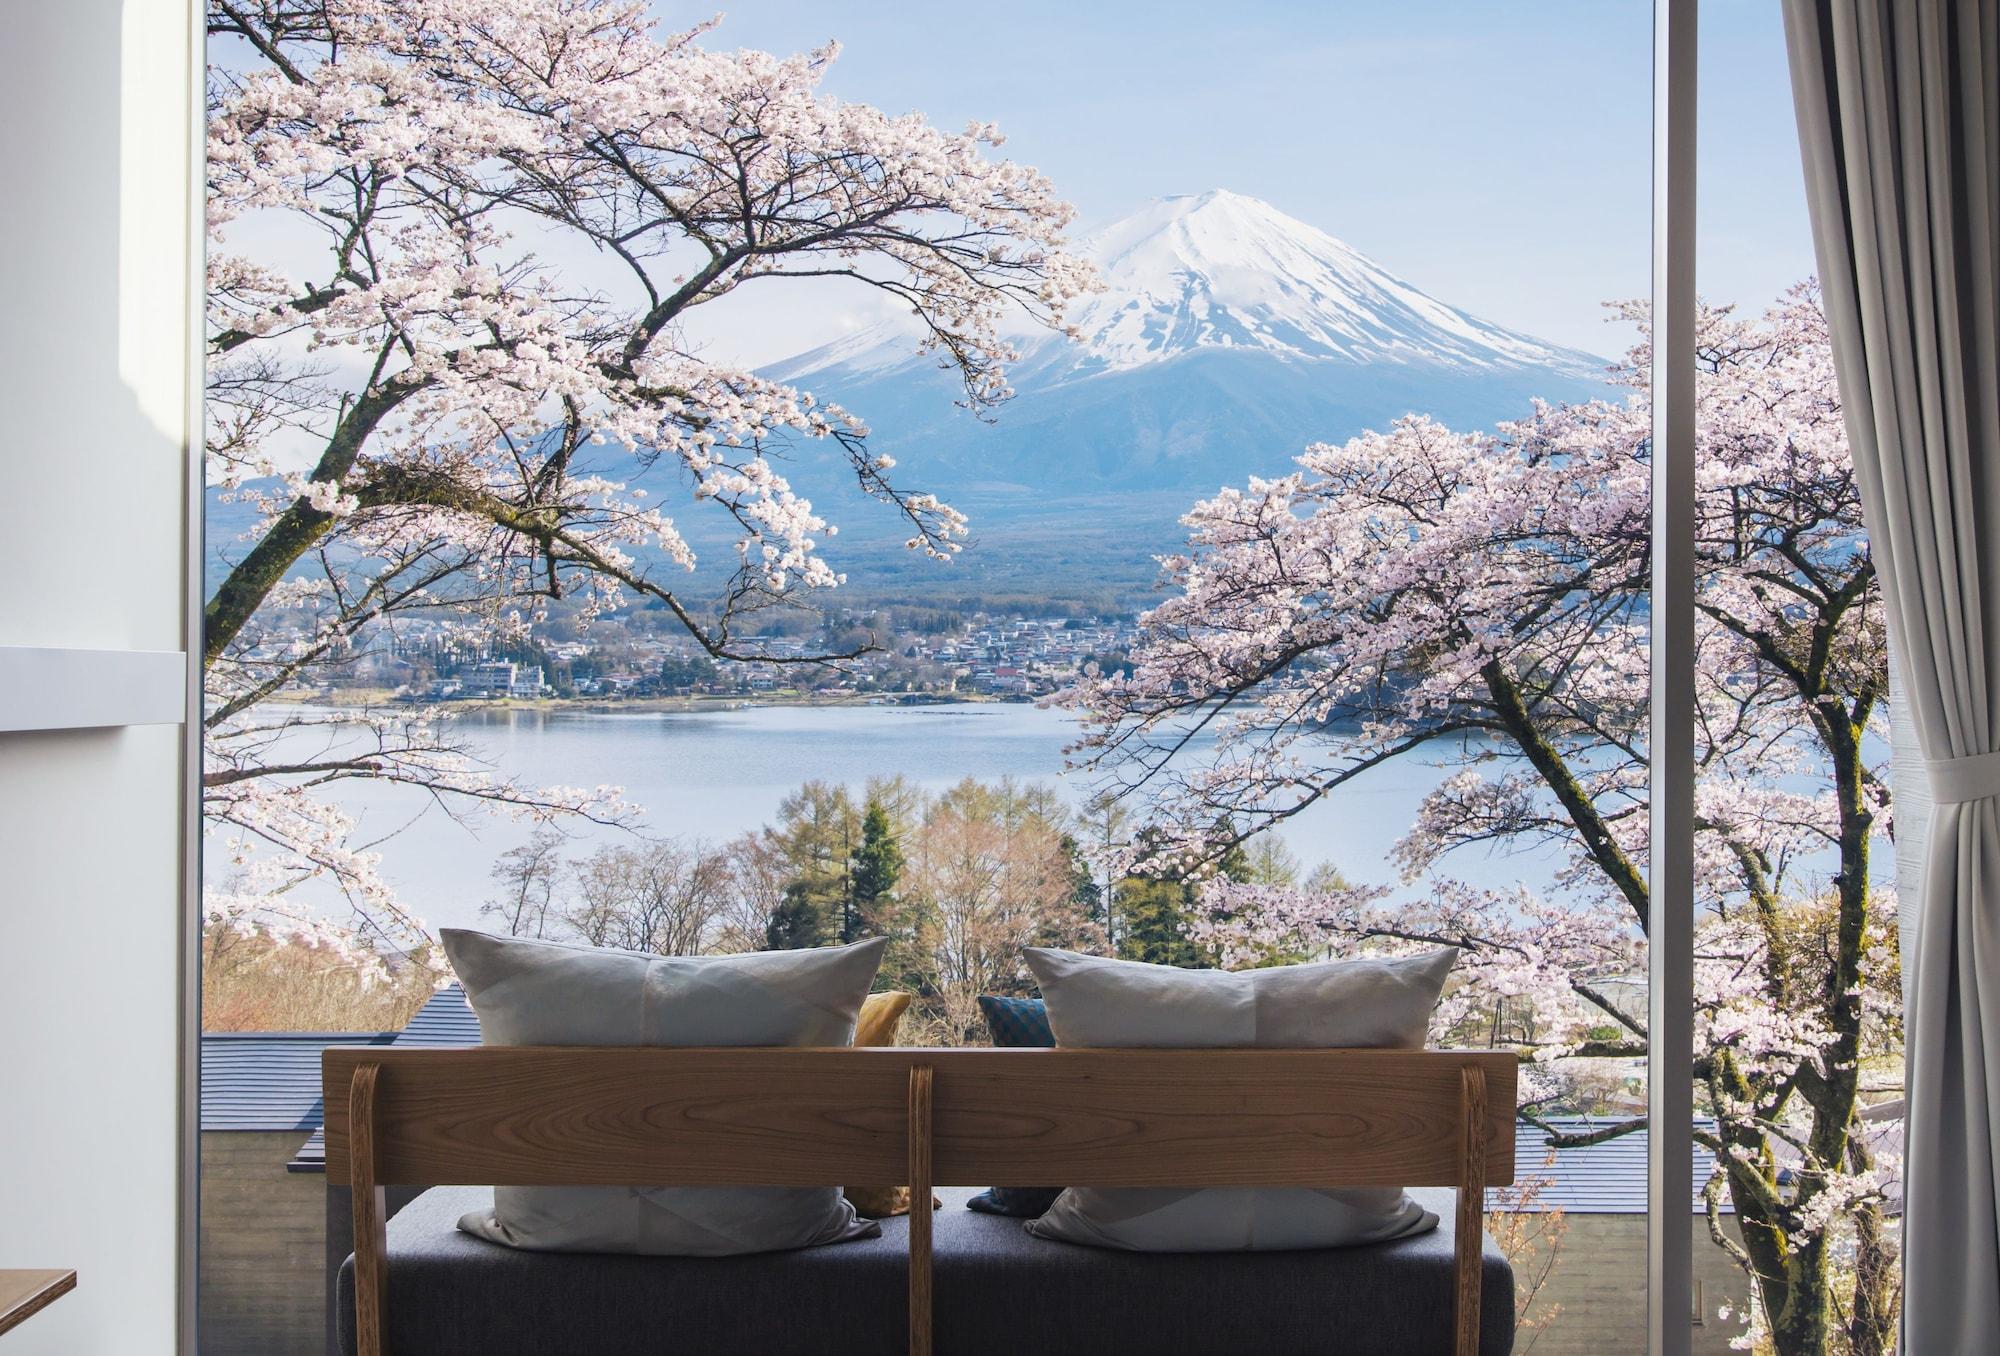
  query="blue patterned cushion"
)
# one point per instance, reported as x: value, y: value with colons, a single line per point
x: 1016, y: 1022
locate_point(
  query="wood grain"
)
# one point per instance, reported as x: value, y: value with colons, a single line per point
x: 1469, y: 1232
x: 24, y: 1294
x: 922, y: 1086
x: 553, y: 1116
x: 371, y: 1213
x: 786, y: 1117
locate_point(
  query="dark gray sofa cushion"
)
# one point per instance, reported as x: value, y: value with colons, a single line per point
x: 1000, y: 1292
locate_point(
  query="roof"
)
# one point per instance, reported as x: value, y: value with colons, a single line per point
x: 1608, y: 1178
x: 267, y: 1080
x: 445, y: 1019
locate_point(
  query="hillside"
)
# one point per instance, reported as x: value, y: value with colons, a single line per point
x: 1227, y: 337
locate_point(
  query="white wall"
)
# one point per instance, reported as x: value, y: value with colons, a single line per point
x: 93, y: 252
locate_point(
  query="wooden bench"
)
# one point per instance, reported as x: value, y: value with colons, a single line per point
x: 550, y: 1116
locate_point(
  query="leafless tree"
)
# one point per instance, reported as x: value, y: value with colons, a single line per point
x: 662, y: 897
x: 527, y: 877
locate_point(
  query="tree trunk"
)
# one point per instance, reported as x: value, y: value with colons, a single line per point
x: 1793, y: 1267
x: 1800, y: 1327
x: 1871, y: 1326
x: 298, y: 528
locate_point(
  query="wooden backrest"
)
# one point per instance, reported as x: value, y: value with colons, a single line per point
x: 557, y: 1116
x: 553, y: 1116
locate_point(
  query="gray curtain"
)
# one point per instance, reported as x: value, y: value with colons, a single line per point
x: 1911, y: 781
x: 1897, y: 105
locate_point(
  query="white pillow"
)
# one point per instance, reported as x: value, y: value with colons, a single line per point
x: 547, y: 993
x: 1110, y: 1004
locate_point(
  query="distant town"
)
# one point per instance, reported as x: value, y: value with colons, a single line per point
x: 917, y: 654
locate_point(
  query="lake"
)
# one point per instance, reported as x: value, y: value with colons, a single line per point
x: 715, y: 773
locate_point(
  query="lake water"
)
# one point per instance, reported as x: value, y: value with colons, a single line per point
x: 713, y: 774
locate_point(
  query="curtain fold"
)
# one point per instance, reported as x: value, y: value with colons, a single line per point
x: 1899, y: 126
x: 1911, y: 780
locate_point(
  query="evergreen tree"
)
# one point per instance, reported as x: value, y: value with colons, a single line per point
x: 813, y: 837
x: 1084, y: 891
x: 1152, y: 918
x: 805, y: 916
x: 1153, y: 913
x: 872, y: 875
x: 1104, y: 826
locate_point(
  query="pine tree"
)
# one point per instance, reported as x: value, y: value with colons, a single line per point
x: 813, y: 837
x: 872, y: 875
x: 805, y: 916
x: 1152, y: 917
x: 1084, y: 890
x: 1153, y: 913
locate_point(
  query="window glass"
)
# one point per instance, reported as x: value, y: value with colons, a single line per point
x: 672, y: 497
x: 1798, y: 1043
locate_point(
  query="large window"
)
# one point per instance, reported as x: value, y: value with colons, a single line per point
x: 1798, y: 1042
x: 672, y: 497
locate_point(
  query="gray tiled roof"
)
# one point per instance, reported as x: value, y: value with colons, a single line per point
x: 444, y: 1019
x: 1599, y: 1179
x: 267, y: 1080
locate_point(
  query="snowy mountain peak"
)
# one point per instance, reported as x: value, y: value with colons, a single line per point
x: 1200, y: 230
x: 1222, y: 271
x: 1219, y: 269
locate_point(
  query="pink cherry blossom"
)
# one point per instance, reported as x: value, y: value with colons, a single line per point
x: 1479, y: 601
x: 427, y: 419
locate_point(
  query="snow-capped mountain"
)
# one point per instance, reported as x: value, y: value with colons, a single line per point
x: 1227, y: 336
x: 1219, y: 270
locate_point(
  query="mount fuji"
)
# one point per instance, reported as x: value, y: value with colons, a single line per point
x: 1227, y: 336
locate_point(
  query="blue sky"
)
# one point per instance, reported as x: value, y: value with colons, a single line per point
x: 1495, y: 154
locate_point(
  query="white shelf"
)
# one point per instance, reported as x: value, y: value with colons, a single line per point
x: 44, y: 689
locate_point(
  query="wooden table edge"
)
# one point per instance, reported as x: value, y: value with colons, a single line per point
x: 37, y: 1297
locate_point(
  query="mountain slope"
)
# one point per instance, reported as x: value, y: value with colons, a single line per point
x: 1227, y: 337
x: 1219, y: 271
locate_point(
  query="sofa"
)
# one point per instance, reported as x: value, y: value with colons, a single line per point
x: 998, y: 1292
x: 953, y: 1281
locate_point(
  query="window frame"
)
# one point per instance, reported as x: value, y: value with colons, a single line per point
x: 1670, y: 1289
x: 1671, y: 711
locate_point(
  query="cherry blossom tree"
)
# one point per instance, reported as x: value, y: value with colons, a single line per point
x: 430, y: 419
x: 1479, y: 601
